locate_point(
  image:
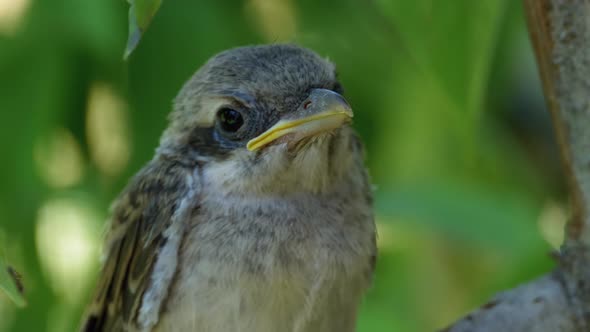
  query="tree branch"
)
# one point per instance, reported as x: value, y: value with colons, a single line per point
x: 560, y: 301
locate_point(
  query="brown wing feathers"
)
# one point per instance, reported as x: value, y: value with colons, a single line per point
x: 140, y: 214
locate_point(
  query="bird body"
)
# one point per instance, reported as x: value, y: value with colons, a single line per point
x: 268, y: 232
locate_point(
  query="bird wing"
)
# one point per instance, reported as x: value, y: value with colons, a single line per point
x: 147, y: 220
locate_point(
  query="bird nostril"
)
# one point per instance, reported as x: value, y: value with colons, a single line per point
x: 306, y: 104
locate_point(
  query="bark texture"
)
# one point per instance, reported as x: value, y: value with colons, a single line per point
x: 559, y: 301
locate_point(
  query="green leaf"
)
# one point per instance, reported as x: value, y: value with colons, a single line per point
x: 10, y: 282
x: 141, y: 13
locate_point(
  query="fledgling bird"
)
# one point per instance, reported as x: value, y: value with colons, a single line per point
x: 254, y: 215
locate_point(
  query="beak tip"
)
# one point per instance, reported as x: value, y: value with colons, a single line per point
x: 328, y: 99
x: 349, y: 112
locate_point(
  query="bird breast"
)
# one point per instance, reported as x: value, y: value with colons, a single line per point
x: 270, y: 264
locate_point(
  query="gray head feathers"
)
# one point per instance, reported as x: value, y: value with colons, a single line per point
x: 266, y: 81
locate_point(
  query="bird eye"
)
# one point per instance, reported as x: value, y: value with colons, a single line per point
x: 230, y: 120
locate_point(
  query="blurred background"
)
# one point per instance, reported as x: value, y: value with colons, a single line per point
x: 469, y: 194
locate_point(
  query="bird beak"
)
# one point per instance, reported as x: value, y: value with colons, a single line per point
x: 322, y: 111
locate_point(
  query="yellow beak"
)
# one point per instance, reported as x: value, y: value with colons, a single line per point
x: 322, y: 111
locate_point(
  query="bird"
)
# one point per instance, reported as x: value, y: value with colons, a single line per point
x: 255, y: 213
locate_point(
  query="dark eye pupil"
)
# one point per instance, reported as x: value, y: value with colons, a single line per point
x: 230, y: 120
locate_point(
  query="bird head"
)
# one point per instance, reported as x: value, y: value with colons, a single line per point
x: 265, y: 119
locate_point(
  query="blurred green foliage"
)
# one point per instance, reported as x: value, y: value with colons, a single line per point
x: 446, y: 96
